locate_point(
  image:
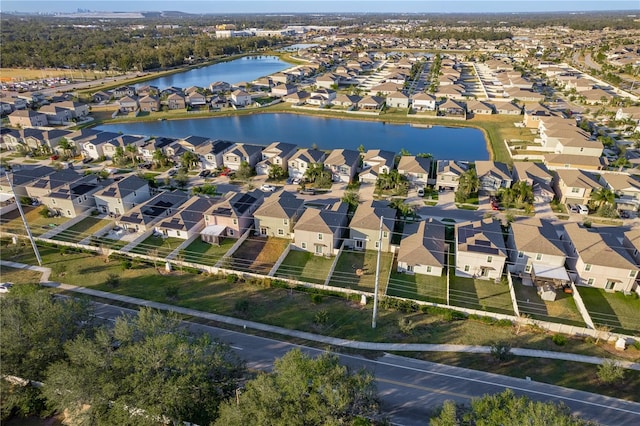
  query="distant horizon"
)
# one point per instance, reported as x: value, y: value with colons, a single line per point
x: 317, y: 6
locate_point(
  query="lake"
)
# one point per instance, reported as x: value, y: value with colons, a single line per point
x: 240, y: 70
x: 327, y: 133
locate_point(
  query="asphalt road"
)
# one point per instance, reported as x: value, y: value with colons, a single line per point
x: 410, y: 389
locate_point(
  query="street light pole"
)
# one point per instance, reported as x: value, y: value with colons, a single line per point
x: 375, y: 291
x: 24, y: 220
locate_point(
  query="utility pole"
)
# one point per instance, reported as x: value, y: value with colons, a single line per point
x: 375, y: 291
x: 24, y: 220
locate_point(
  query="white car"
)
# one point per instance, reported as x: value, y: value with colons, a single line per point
x: 5, y: 287
x: 268, y: 188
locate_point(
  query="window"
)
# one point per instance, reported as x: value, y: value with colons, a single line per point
x: 409, y: 268
x: 632, y: 274
x: 377, y: 244
x: 318, y: 249
x: 591, y: 281
x: 304, y: 245
x: 68, y: 212
x: 489, y: 259
x: 320, y: 237
x: 280, y: 231
x: 587, y: 267
x: 609, y: 285
x: 466, y: 268
x: 235, y: 221
x: 178, y: 233
x: 263, y: 231
x: 285, y: 221
x: 385, y: 234
x: 520, y: 254
x: 539, y: 256
x: 527, y: 269
x: 428, y: 268
x: 358, y: 244
x: 230, y: 232
x: 575, y: 190
x: 635, y: 252
x: 53, y: 201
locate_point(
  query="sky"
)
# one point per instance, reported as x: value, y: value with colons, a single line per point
x: 319, y: 6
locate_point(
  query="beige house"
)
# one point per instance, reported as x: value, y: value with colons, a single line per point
x: 231, y: 216
x: 277, y: 153
x: 320, y: 231
x: 343, y: 164
x: 575, y: 186
x: 448, y: 174
x: 240, y: 153
x: 536, y: 252
x: 567, y: 161
x: 598, y: 259
x: 73, y: 199
x: 480, y: 250
x: 121, y: 196
x: 303, y: 158
x: 423, y: 250
x: 416, y: 169
x: 27, y: 118
x: 364, y: 228
x: 188, y: 219
x: 493, y: 175
x: 149, y: 103
x: 626, y: 187
x: 278, y: 214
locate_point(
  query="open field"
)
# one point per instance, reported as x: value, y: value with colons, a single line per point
x: 21, y: 74
x: 18, y: 276
x: 305, y: 266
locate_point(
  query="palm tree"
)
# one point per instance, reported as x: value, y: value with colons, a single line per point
x: 523, y: 192
x: 160, y: 158
x: 603, y: 196
x: 66, y: 146
x: 189, y: 160
x: 132, y: 150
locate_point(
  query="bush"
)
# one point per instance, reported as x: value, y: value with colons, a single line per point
x: 559, y: 339
x: 321, y: 317
x: 112, y: 281
x: 501, y: 351
x: 406, y: 325
x: 316, y: 298
x: 610, y: 371
x: 636, y: 344
x: 171, y: 292
x: 232, y: 279
x: 242, y: 306
x: 125, y: 264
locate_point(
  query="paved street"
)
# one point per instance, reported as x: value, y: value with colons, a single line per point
x: 410, y: 388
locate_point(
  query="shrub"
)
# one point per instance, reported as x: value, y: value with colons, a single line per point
x: 316, y: 298
x: 501, y: 351
x: 242, y: 306
x: 125, y: 264
x: 559, y: 339
x: 406, y: 325
x: 112, y: 281
x: 232, y: 279
x: 321, y: 317
x: 636, y: 344
x: 610, y: 371
x: 171, y: 292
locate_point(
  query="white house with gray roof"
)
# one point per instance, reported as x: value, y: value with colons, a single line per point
x: 187, y: 220
x: 320, y: 230
x: 121, y: 196
x: 422, y: 249
x: 300, y: 162
x: 480, y: 250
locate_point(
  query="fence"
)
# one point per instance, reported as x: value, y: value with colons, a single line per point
x: 581, y: 307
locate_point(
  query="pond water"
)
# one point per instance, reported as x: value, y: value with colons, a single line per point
x: 442, y: 142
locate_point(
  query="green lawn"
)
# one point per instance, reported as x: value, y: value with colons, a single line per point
x: 11, y: 222
x: 418, y: 286
x: 351, y: 263
x: 157, y: 246
x: 480, y: 294
x: 305, y: 266
x: 563, y: 309
x: 207, y: 254
x: 19, y: 276
x: 81, y: 230
x: 108, y: 243
x: 614, y: 310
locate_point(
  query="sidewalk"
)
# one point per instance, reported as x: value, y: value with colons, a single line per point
x: 387, y: 347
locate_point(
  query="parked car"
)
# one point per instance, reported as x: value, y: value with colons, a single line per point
x: 87, y: 160
x: 268, y: 188
x: 420, y: 192
x: 173, y: 172
x: 308, y: 191
x: 204, y: 173
x: 54, y: 157
x: 5, y: 287
x: 582, y: 209
x: 225, y: 172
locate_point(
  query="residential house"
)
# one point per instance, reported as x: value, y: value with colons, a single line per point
x: 537, y: 254
x: 417, y: 170
x: 278, y: 214
x: 423, y: 249
x: 569, y: 161
x: 321, y: 97
x: 386, y: 88
x: 48, y: 183
x: 320, y: 230
x: 147, y: 90
x: 277, y: 153
x: 451, y: 108
x: 211, y: 155
x: 55, y: 114
x: 347, y: 101
x: 575, y: 186
x: 240, y: 153
x: 493, y: 176
x: 123, y: 91
x: 231, y: 216
x: 143, y: 217
x: 44, y: 140
x: 241, y: 98
x: 27, y: 118
x: 110, y: 147
x: 480, y: 250
x: 196, y: 99
x: 448, y: 173
x: 187, y: 220
x: 192, y: 143
x: 375, y: 162
x: 123, y: 195
x: 128, y: 104
x: 297, y: 98
x: 282, y: 77
x: 598, y: 259
x: 365, y: 232
x: 149, y: 103
x: 479, y: 108
x: 626, y: 188
x: 176, y: 101
x: 536, y: 175
x: 73, y: 199
x: 92, y: 146
x: 397, y: 100
x: 300, y: 162
x: 424, y: 102
x: 371, y: 103
x: 150, y: 146
x: 101, y: 96
x: 282, y: 90
x: 343, y: 164
x: 218, y: 87
x: 328, y: 80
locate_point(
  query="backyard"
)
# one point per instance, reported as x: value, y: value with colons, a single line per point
x: 81, y: 230
x: 480, y: 294
x: 207, y: 254
x: 615, y: 310
x: 305, y: 266
x: 258, y: 255
x: 357, y: 270
x: 157, y: 246
x: 562, y: 310
x: 418, y: 286
x: 11, y: 221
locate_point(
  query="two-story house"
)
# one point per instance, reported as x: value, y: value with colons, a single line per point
x: 626, y: 187
x: 300, y: 162
x: 493, y: 176
x: 277, y: 153
x: 375, y: 162
x: 343, y: 164
x: 417, y: 170
x: 240, y: 153
x: 422, y: 249
x: 448, y: 173
x: 188, y: 219
x: 371, y: 226
x: 320, y: 230
x: 598, y: 258
x: 536, y: 175
x: 231, y: 216
x: 575, y: 186
x: 278, y: 214
x: 241, y: 98
x: 121, y: 196
x: 211, y: 155
x: 143, y: 217
x: 73, y: 199
x: 480, y: 250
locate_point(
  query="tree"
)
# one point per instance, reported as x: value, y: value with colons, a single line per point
x: 67, y: 147
x: 610, y: 372
x: 467, y: 185
x: 506, y: 409
x: 602, y: 196
x: 132, y: 150
x: 144, y: 369
x: 404, y: 210
x: 317, y: 174
x: 35, y: 326
x: 189, y: 160
x: 277, y: 172
x: 352, y: 198
x: 160, y: 158
x: 245, y: 171
x: 181, y: 178
x: 206, y: 189
x: 303, y: 391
